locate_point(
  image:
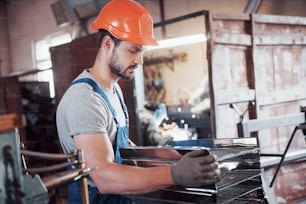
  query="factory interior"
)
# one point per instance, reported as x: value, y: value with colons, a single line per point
x: 231, y: 75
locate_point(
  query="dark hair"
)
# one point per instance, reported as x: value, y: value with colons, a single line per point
x: 103, y: 33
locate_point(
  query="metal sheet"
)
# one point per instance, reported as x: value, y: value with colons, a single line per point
x: 238, y: 159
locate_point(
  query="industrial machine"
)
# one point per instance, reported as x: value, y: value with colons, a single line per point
x: 22, y: 185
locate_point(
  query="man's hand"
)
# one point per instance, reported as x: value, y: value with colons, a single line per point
x: 196, y: 168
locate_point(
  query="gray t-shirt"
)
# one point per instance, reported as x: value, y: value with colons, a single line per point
x: 83, y: 111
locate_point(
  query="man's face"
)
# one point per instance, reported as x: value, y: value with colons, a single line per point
x: 125, y: 58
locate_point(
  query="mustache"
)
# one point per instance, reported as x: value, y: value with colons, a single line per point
x: 134, y: 66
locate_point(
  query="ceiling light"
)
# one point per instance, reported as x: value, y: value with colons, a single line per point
x: 172, y: 42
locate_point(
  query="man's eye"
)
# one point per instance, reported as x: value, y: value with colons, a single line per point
x: 133, y: 51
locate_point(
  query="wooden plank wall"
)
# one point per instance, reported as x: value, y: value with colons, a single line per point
x: 257, y: 64
x: 280, y: 73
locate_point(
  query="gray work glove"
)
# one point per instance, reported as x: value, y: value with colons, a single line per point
x: 196, y: 168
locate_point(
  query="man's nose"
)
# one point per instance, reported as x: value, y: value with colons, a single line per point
x: 139, y: 58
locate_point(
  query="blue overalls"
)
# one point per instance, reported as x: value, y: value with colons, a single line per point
x: 121, y: 141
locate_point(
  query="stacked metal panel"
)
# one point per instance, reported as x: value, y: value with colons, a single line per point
x: 238, y: 159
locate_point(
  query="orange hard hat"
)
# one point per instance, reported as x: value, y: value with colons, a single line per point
x: 126, y: 20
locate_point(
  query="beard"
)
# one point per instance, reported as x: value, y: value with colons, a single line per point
x: 117, y: 69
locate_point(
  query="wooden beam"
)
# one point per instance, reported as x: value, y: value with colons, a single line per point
x: 11, y: 121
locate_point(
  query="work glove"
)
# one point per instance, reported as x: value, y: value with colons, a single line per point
x: 196, y: 168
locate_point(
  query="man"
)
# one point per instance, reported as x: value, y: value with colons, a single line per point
x: 92, y: 115
x: 150, y: 122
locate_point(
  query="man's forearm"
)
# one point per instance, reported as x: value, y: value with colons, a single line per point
x: 124, y: 179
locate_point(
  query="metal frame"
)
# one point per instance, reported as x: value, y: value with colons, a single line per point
x: 246, y: 127
x: 79, y: 173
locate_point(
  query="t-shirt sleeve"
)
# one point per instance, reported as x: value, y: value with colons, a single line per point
x: 87, y: 113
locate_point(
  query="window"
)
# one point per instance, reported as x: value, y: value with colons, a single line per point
x: 43, y: 57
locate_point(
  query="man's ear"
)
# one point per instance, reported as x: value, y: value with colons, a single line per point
x: 107, y: 42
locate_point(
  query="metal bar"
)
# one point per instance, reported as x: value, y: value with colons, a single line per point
x: 60, y: 178
x: 291, y: 156
x: 51, y: 156
x: 261, y: 124
x: 162, y: 16
x: 270, y: 155
x: 283, y: 156
x: 181, y: 18
x: 48, y: 168
x: 83, y: 181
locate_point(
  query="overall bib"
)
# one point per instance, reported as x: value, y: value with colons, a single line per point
x: 121, y: 141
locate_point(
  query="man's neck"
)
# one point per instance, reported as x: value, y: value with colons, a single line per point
x: 104, y: 79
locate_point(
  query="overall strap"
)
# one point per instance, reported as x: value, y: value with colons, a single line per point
x: 124, y: 108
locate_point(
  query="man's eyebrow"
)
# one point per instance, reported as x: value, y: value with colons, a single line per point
x: 138, y: 49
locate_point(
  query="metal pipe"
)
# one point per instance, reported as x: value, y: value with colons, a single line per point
x: 181, y: 18
x: 283, y: 156
x: 48, y: 168
x: 60, y: 178
x: 52, y: 156
x: 83, y: 180
x: 162, y: 16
